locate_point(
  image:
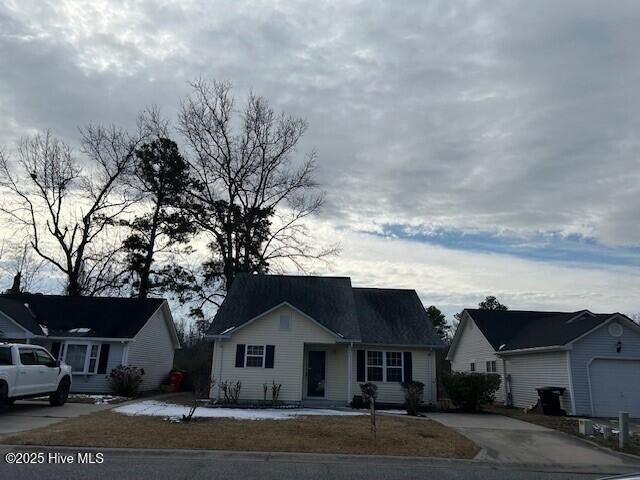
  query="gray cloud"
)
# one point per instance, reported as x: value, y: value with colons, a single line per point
x: 469, y: 115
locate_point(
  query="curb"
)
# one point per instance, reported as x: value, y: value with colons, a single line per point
x: 328, y: 458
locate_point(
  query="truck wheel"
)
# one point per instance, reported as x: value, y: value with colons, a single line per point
x: 60, y: 396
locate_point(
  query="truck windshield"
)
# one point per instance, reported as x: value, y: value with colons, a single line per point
x: 5, y: 356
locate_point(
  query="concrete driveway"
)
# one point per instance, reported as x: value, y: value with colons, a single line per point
x: 27, y: 415
x: 509, y: 441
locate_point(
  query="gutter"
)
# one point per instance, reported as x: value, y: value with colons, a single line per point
x: 552, y: 348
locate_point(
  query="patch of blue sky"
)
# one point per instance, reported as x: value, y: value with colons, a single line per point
x: 547, y: 247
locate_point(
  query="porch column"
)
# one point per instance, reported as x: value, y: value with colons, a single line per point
x: 216, y: 362
x: 349, y: 372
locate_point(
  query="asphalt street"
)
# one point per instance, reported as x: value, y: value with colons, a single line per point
x: 160, y: 465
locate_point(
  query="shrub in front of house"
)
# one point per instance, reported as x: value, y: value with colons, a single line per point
x: 413, y: 392
x: 470, y: 391
x: 369, y: 392
x: 231, y: 391
x: 126, y: 380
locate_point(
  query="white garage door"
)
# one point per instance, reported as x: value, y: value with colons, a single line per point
x: 615, y: 386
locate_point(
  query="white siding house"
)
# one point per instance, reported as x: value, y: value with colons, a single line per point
x: 306, y: 334
x: 594, y: 357
x: 95, y: 335
x: 475, y: 352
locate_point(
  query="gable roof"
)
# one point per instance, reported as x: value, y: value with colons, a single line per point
x: 328, y: 300
x: 97, y: 317
x: 20, y: 314
x: 385, y: 316
x: 518, y: 329
x: 395, y: 317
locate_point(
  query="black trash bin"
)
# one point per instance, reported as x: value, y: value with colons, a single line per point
x: 550, y: 400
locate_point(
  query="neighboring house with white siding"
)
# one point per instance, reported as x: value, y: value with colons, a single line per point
x: 320, y: 338
x: 95, y: 334
x: 594, y: 357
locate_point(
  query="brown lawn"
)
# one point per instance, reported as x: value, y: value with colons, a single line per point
x: 395, y: 436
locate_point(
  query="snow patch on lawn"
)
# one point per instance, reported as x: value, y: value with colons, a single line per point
x: 162, y: 409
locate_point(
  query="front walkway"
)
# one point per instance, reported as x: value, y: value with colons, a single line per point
x: 509, y: 441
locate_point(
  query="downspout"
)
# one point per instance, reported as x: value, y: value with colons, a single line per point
x: 506, y: 381
x: 349, y: 372
x: 219, y: 370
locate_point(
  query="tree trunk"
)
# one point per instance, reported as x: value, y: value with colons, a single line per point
x: 143, y: 290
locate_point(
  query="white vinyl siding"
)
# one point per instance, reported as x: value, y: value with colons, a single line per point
x: 474, y: 348
x: 9, y: 330
x: 423, y: 368
x: 290, y: 362
x: 95, y: 383
x: 599, y: 344
x: 531, y: 371
x: 288, y: 357
x: 153, y: 349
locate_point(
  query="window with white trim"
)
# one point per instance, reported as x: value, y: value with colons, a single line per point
x: 384, y: 366
x: 285, y: 322
x: 93, y: 357
x: 375, y: 366
x: 254, y: 356
x: 393, y: 366
x: 472, y: 367
x: 82, y: 357
x: 491, y: 366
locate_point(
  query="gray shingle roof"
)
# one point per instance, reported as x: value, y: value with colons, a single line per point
x: 20, y: 314
x: 517, y: 329
x: 386, y: 316
x: 395, y: 317
x: 108, y: 317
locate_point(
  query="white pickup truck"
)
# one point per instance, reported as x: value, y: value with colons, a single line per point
x: 28, y: 371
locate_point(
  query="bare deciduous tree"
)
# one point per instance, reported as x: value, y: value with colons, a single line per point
x: 21, y: 266
x: 67, y: 209
x: 249, y: 197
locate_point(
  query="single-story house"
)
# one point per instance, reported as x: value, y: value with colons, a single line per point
x: 594, y: 356
x: 320, y: 338
x: 95, y: 334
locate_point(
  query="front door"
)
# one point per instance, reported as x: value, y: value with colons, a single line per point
x: 316, y: 362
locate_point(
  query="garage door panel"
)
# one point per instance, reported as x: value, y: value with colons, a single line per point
x: 615, y: 386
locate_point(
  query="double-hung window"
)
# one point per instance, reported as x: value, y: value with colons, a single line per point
x: 472, y: 367
x: 375, y: 366
x: 384, y: 366
x: 82, y: 357
x: 491, y: 366
x: 255, y: 356
x: 394, y: 366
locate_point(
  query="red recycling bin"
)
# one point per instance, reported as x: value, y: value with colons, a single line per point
x: 175, y: 380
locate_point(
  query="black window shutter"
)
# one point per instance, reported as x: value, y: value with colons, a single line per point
x: 270, y: 354
x: 408, y: 367
x: 240, y: 355
x: 104, y: 358
x: 360, y: 366
x: 55, y: 350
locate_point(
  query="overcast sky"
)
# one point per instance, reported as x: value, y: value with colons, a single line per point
x: 466, y: 148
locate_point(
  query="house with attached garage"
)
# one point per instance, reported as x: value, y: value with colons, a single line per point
x: 95, y: 334
x: 320, y: 337
x: 595, y: 357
